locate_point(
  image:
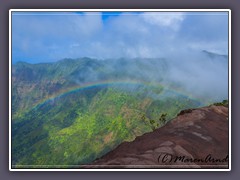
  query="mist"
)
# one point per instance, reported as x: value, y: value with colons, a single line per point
x: 201, y: 75
x: 181, y: 50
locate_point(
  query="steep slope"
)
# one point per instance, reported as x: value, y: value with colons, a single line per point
x: 196, y: 138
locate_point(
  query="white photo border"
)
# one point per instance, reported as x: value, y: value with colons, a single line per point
x: 119, y: 10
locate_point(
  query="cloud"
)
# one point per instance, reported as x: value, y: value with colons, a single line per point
x: 38, y: 37
x: 164, y: 19
x: 205, y: 31
x: 42, y: 36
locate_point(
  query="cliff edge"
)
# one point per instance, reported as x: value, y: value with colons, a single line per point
x: 196, y: 138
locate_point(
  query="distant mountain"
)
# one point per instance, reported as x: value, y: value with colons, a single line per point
x: 214, y: 55
x: 216, y: 58
x: 194, y: 135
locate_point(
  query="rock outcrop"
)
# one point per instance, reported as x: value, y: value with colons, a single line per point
x: 196, y: 138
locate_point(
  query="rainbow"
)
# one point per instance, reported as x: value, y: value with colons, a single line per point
x: 109, y: 83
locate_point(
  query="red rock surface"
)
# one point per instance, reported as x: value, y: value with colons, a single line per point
x: 192, y: 136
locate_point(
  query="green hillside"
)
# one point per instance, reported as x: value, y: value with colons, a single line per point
x: 59, y: 118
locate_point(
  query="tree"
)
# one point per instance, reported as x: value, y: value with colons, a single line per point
x: 162, y: 118
x: 153, y: 123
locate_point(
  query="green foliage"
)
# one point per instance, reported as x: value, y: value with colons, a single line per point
x: 223, y: 103
x: 153, y: 123
x: 162, y: 118
x: 81, y: 126
x: 76, y: 135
